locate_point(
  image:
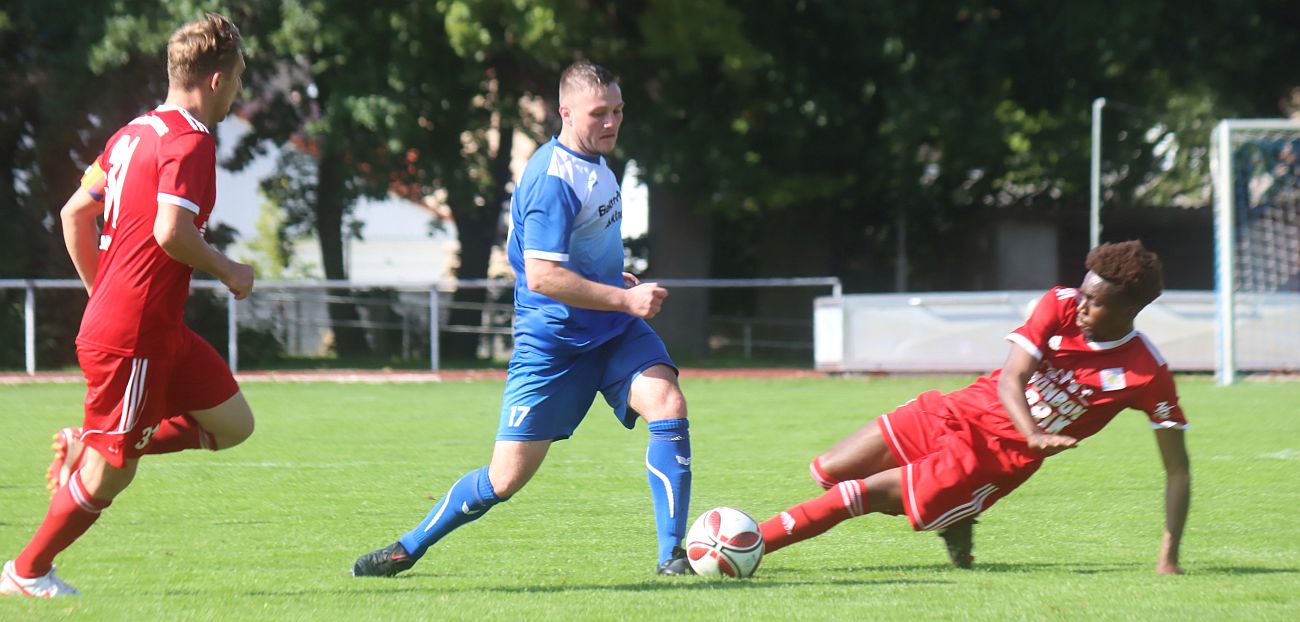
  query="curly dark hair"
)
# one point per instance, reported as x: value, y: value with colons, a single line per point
x: 1131, y: 267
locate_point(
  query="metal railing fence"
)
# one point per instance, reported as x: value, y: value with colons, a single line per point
x: 278, y: 304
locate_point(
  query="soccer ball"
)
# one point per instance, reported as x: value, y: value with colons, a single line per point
x: 724, y: 542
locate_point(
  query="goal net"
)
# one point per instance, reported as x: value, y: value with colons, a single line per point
x: 1256, y: 170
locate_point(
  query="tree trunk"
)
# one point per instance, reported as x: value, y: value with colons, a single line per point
x: 681, y: 246
x: 478, y: 230
x: 331, y: 198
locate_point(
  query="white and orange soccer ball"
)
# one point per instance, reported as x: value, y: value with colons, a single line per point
x: 724, y: 542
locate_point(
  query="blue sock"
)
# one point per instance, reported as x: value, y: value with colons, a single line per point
x: 668, y: 467
x: 469, y: 498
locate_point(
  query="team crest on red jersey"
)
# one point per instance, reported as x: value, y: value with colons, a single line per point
x: 1112, y: 379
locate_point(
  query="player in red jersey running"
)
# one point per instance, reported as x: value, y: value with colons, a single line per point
x: 943, y: 459
x: 154, y: 386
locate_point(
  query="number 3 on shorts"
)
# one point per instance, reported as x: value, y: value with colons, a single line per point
x: 517, y: 414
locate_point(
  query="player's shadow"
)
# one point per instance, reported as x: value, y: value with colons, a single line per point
x: 1072, y: 567
x: 1241, y: 570
x: 391, y: 585
x: 678, y: 584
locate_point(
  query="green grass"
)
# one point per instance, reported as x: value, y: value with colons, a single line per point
x: 268, y: 530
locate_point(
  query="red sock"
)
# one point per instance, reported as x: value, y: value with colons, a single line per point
x: 72, y: 512
x: 178, y: 434
x: 819, y: 474
x: 812, y: 518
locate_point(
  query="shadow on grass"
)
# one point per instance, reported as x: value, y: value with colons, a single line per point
x: 1235, y: 570
x: 386, y: 586
x: 1073, y: 567
x: 1082, y: 568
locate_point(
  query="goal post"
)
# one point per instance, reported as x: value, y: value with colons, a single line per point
x: 1256, y: 180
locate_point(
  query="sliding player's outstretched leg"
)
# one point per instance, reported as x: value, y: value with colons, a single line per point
x: 879, y: 493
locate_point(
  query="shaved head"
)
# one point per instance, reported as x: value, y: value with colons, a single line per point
x: 584, y: 76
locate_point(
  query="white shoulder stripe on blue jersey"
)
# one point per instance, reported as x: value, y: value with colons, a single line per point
x: 545, y: 255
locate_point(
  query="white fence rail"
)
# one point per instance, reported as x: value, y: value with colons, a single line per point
x: 965, y: 332
x: 430, y: 294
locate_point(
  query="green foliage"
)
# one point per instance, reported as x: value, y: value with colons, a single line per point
x: 268, y: 529
x: 862, y: 123
x: 273, y: 249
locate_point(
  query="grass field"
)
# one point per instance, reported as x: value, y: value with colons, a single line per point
x: 268, y: 530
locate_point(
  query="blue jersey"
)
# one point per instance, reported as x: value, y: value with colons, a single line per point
x: 566, y: 208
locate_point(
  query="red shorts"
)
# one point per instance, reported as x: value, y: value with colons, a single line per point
x: 127, y: 397
x: 950, y: 469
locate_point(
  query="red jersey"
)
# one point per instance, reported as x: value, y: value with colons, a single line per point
x: 138, y: 299
x: 1080, y: 385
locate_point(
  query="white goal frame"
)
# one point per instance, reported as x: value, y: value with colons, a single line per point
x: 1225, y: 237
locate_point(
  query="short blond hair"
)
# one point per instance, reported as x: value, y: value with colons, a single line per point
x: 202, y: 47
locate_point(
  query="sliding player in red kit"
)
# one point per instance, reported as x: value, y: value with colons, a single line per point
x: 943, y: 459
x: 153, y: 385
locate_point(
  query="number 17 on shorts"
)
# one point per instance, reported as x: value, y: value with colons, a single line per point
x: 517, y: 415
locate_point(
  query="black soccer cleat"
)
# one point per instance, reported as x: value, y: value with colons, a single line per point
x: 385, y: 562
x: 677, y: 564
x: 959, y: 538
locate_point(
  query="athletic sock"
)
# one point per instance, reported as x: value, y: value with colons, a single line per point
x: 819, y: 474
x: 72, y: 511
x: 815, y: 517
x: 469, y: 498
x: 178, y: 434
x: 668, y: 468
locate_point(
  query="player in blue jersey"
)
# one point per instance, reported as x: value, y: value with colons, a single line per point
x: 579, y: 329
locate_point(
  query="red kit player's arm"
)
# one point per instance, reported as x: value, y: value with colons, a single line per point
x: 1016, y: 372
x: 81, y: 234
x: 1178, y: 495
x: 175, y: 232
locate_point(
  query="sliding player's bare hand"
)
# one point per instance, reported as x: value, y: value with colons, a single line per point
x: 1052, y: 443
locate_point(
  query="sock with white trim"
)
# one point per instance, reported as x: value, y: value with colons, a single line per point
x: 468, y: 499
x: 668, y: 468
x: 820, y: 475
x: 813, y: 518
x: 72, y: 511
x: 178, y: 434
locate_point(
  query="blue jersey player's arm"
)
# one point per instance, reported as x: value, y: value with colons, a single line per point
x: 553, y: 280
x: 548, y: 223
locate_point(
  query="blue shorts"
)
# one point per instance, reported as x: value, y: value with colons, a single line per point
x: 547, y: 396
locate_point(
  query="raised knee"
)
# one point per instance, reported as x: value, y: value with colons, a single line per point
x: 673, y: 406
x: 104, y: 481
x: 234, y: 435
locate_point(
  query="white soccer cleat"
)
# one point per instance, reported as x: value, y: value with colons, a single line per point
x: 68, y: 450
x: 47, y: 586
